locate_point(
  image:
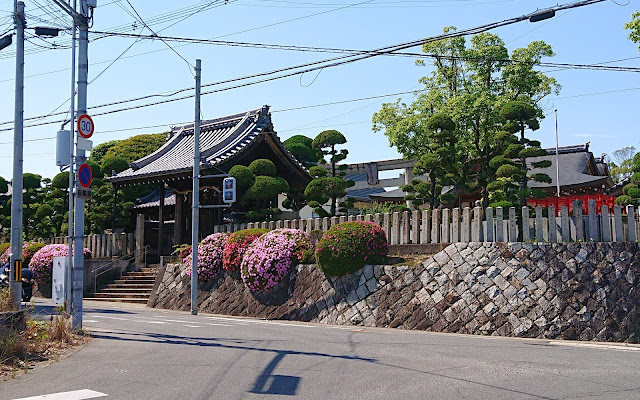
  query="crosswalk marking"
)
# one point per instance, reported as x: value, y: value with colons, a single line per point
x: 73, y: 395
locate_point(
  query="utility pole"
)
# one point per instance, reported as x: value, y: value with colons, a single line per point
x: 15, y: 280
x: 77, y: 275
x: 557, y: 162
x: 195, y: 207
x: 68, y: 282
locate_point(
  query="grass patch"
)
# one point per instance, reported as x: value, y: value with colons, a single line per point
x: 41, y: 341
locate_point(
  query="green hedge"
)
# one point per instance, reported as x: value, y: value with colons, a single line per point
x: 347, y: 247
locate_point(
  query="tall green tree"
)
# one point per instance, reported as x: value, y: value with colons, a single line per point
x: 634, y: 27
x: 329, y: 186
x: 470, y: 83
x: 258, y: 187
x: 620, y: 163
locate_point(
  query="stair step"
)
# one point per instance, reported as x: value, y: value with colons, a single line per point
x: 139, y: 280
x: 119, y: 300
x: 126, y: 290
x: 147, y: 286
x: 139, y: 274
x: 123, y: 295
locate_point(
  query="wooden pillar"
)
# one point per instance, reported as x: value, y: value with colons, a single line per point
x: 161, y: 221
x: 178, y: 225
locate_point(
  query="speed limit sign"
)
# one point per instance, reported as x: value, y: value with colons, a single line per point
x: 85, y: 126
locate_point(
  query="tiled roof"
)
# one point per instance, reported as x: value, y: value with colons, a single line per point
x: 221, y: 139
x: 153, y: 199
x: 573, y: 163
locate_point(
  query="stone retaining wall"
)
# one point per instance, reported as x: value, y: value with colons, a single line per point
x: 583, y: 291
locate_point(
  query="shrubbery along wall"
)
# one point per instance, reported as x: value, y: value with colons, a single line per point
x: 582, y: 291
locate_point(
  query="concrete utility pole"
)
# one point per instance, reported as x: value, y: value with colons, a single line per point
x: 195, y: 207
x: 68, y: 282
x: 78, y: 213
x: 15, y: 282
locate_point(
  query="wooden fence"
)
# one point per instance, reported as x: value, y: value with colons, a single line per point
x: 488, y: 225
x: 104, y: 245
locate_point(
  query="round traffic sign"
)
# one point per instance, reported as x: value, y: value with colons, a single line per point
x: 85, y: 176
x: 85, y: 126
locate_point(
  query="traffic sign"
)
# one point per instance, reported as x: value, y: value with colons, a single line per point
x: 85, y: 126
x: 83, y: 193
x: 84, y: 175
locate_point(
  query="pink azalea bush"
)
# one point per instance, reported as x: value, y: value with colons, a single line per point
x: 347, y: 247
x: 28, y: 250
x: 209, y: 257
x: 237, y: 245
x: 269, y: 258
x: 42, y: 262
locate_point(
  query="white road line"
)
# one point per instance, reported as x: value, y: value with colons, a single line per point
x: 603, y: 346
x: 74, y: 395
x: 108, y: 317
x: 193, y: 326
x: 89, y: 320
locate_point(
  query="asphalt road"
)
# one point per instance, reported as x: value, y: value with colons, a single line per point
x: 140, y: 353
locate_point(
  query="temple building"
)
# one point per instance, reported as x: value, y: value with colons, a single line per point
x: 224, y: 142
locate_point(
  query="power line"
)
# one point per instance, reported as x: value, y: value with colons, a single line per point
x: 333, y: 62
x: 358, y: 52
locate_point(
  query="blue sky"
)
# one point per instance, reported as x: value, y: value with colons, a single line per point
x: 592, y: 34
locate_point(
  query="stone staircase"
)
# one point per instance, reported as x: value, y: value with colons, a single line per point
x: 133, y: 287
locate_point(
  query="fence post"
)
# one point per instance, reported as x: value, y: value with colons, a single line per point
x: 579, y: 221
x: 435, y: 226
x: 526, y: 225
x: 631, y: 224
x: 605, y: 224
x: 565, y: 225
x: 426, y: 231
x: 325, y: 224
x: 415, y: 226
x: 512, y: 227
x: 594, y: 235
x: 377, y: 219
x: 445, y: 226
x: 359, y: 217
x: 334, y: 221
x: 455, y: 225
x: 466, y: 216
x: 387, y: 226
x: 539, y: 227
x: 617, y: 224
x: 489, y: 237
x: 368, y: 218
x: 499, y: 224
x: 476, y: 225
x: 351, y: 218
x: 553, y: 229
x: 395, y: 229
x: 405, y: 228
x: 342, y: 219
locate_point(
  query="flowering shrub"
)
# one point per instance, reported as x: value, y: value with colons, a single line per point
x: 28, y: 250
x: 209, y: 256
x: 269, y: 258
x: 42, y: 262
x: 347, y: 247
x: 237, y: 245
x: 182, y: 252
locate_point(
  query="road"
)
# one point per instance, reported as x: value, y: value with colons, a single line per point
x: 140, y: 353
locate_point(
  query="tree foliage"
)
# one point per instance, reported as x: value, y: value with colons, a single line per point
x: 323, y: 188
x: 470, y: 84
x: 302, y: 149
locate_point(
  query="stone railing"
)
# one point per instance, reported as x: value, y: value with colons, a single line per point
x: 484, y: 225
x: 106, y: 245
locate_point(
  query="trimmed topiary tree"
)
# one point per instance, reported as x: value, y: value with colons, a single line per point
x: 270, y: 257
x: 347, y: 247
x: 209, y: 257
x: 42, y: 261
x: 237, y: 246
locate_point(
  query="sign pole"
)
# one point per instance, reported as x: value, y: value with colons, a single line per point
x: 195, y: 206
